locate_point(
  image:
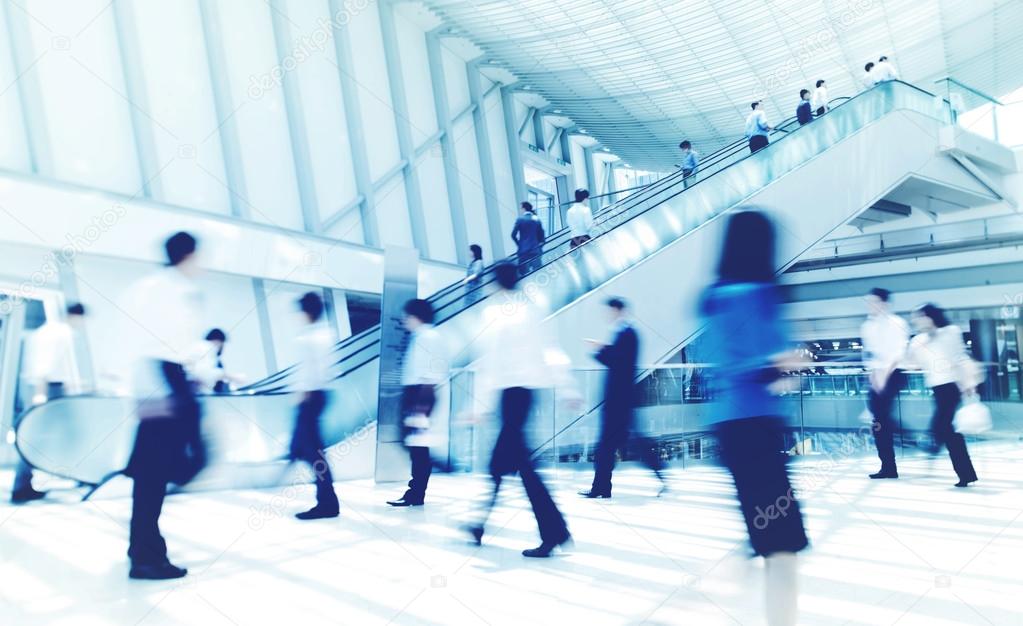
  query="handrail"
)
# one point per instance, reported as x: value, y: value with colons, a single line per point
x: 976, y: 92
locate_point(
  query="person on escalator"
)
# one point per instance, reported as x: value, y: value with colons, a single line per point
x: 529, y: 238
x: 690, y: 163
x: 617, y: 415
x: 315, y: 345
x: 819, y: 102
x: 424, y: 368
x: 49, y: 370
x: 884, y: 71
x: 804, y: 112
x: 869, y: 78
x: 210, y: 370
x: 168, y: 447
x: 580, y: 219
x: 757, y: 128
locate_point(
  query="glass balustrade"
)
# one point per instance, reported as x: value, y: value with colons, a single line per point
x: 826, y: 414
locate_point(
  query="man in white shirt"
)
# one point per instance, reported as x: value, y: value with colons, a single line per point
x: 517, y: 358
x: 168, y: 444
x: 49, y: 371
x: 580, y: 219
x: 757, y: 127
x: 885, y: 339
x: 425, y: 367
x: 314, y: 374
x: 819, y: 102
x: 884, y: 71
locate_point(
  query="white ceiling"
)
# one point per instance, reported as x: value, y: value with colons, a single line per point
x: 640, y: 75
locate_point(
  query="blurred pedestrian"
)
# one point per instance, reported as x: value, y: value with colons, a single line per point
x: 313, y: 376
x: 748, y: 343
x: 49, y: 371
x: 517, y: 359
x: 424, y: 368
x: 617, y: 417
x: 938, y: 350
x: 168, y: 447
x: 885, y: 338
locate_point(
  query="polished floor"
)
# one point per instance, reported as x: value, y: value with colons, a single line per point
x: 912, y: 551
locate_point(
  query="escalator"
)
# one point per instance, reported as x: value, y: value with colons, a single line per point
x: 655, y: 247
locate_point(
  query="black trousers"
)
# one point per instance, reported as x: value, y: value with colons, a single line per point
x: 881, y: 404
x: 757, y: 142
x: 511, y: 454
x: 687, y: 178
x: 946, y: 400
x: 616, y: 434
x: 167, y: 449
x: 307, y: 445
x: 751, y: 449
x: 418, y: 400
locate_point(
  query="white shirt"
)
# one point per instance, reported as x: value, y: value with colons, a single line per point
x: 820, y: 97
x: 869, y: 78
x: 50, y: 354
x: 165, y: 311
x: 315, y: 347
x: 885, y: 338
x: 884, y: 71
x: 580, y: 219
x: 167, y: 308
x: 426, y: 358
x: 517, y: 351
x: 939, y: 354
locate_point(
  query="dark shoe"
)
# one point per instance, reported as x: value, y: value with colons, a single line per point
x: 477, y: 534
x: 594, y: 494
x: 405, y: 501
x: 28, y: 494
x: 965, y: 483
x: 318, y: 512
x: 545, y: 549
x: 163, y: 571
x: 884, y: 474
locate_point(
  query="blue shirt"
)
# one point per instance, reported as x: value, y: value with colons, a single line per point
x: 691, y: 161
x: 756, y: 124
x: 744, y: 331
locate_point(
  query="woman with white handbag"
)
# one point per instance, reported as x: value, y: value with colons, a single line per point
x: 939, y: 351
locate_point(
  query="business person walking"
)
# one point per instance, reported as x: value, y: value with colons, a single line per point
x: 618, y: 411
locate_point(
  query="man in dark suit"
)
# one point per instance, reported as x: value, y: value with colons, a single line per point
x: 529, y: 237
x: 620, y: 357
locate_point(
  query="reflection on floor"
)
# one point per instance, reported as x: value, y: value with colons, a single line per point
x: 912, y: 551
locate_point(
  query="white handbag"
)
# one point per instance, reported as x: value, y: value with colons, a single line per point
x: 972, y: 418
